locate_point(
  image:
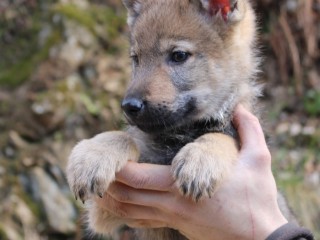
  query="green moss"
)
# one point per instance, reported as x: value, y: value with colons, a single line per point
x: 102, y: 22
x: 19, y: 42
x: 73, y: 12
x: 4, y: 106
x: 16, y: 74
x: 312, y: 102
x: 288, y: 183
x: 3, y: 235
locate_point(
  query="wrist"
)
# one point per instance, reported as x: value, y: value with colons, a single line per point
x: 291, y: 231
x: 269, y: 226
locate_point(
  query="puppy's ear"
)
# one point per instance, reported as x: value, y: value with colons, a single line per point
x: 231, y: 11
x: 134, y: 8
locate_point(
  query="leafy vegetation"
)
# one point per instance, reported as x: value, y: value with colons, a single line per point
x: 312, y: 102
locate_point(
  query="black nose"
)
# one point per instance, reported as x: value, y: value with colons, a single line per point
x: 132, y: 106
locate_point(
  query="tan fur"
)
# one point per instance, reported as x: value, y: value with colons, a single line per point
x: 172, y: 102
x: 93, y: 162
x: 160, y: 89
x: 201, y: 166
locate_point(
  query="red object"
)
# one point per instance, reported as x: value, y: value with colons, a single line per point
x: 220, y: 5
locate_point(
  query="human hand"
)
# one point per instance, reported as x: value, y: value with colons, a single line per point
x: 244, y: 207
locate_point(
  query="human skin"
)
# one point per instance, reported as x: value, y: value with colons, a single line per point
x: 244, y: 207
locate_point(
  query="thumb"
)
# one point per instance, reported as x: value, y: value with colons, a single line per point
x: 253, y: 143
x: 146, y: 176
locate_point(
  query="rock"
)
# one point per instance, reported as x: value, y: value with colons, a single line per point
x: 312, y: 180
x: 282, y: 128
x: 309, y: 130
x: 83, y: 4
x: 292, y: 5
x: 59, y: 210
x: 17, y: 141
x: 76, y: 49
x: 9, y: 152
x: 295, y: 129
x: 17, y: 220
x: 27, y: 219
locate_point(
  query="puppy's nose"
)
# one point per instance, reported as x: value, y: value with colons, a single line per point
x: 132, y: 106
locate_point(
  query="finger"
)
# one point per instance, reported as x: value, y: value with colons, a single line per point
x: 146, y: 176
x: 128, y: 211
x: 168, y: 205
x: 126, y: 194
x: 147, y: 224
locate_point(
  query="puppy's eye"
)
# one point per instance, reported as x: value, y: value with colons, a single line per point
x: 179, y: 56
x: 135, y: 59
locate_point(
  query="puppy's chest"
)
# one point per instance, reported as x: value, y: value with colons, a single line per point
x: 160, y: 152
x: 163, y: 147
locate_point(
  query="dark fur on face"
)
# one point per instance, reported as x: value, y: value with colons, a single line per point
x: 158, y: 118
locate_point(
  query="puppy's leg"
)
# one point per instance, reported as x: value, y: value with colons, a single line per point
x: 91, y: 168
x: 103, y: 222
x: 93, y: 162
x: 201, y: 166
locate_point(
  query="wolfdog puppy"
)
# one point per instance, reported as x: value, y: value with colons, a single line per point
x: 193, y: 61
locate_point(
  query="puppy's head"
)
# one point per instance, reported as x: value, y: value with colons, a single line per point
x: 192, y: 61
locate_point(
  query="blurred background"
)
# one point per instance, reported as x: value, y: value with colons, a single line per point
x: 64, y: 66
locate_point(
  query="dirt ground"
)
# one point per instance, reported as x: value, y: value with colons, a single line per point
x: 64, y: 66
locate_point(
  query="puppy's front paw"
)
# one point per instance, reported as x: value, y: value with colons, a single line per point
x: 193, y: 172
x: 201, y: 166
x: 93, y: 163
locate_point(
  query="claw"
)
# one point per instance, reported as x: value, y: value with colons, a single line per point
x: 211, y: 189
x: 192, y: 187
x: 184, y: 188
x: 75, y: 196
x: 82, y: 194
x: 209, y: 193
x: 177, y: 172
x: 199, y: 195
x: 92, y: 187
